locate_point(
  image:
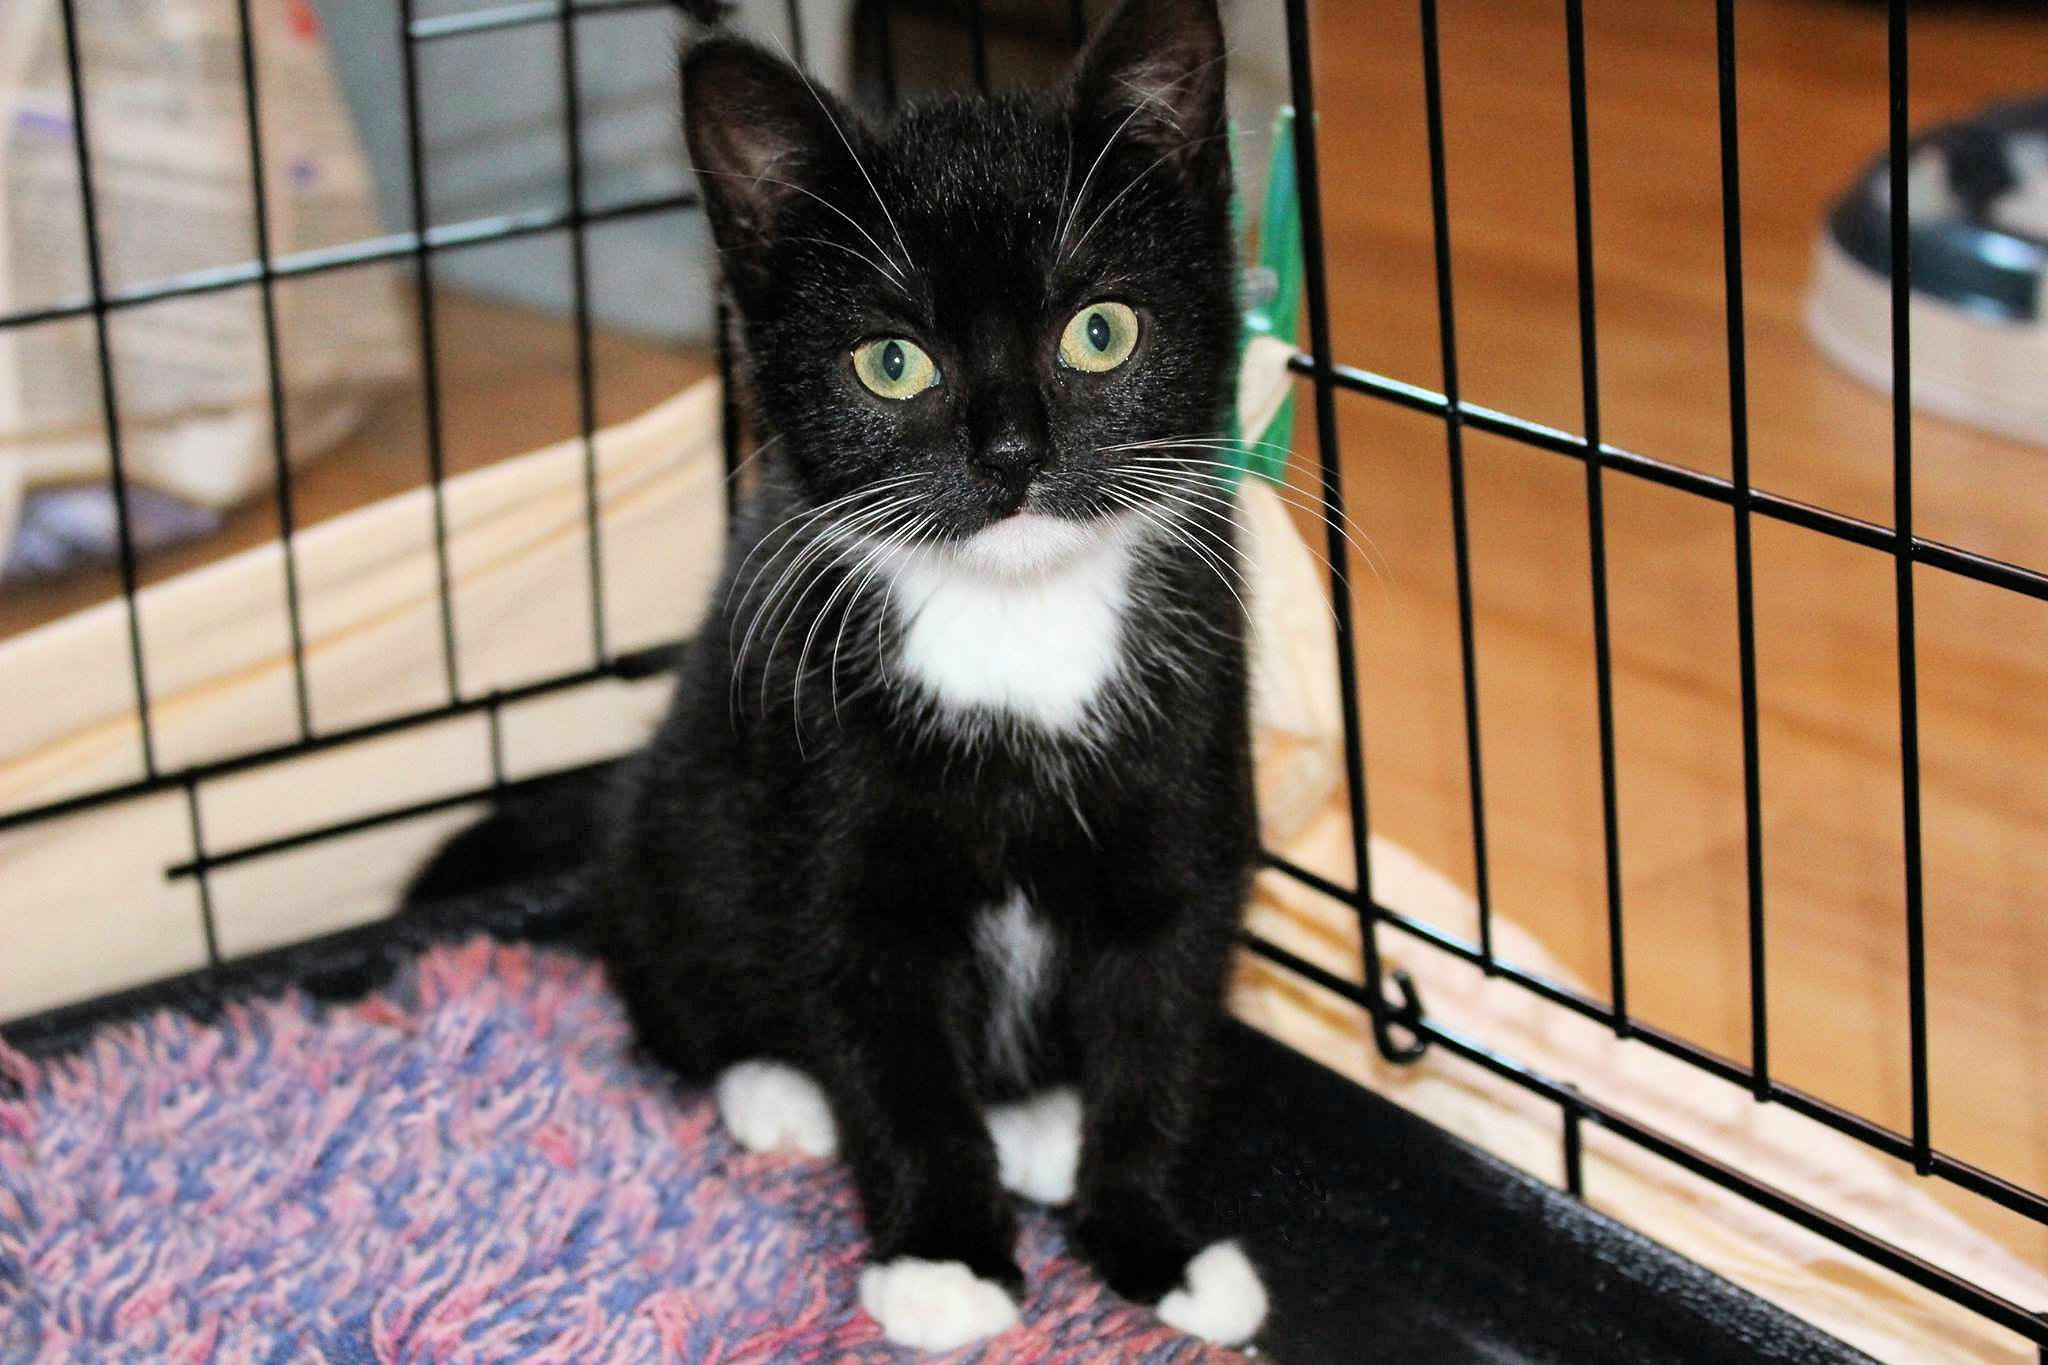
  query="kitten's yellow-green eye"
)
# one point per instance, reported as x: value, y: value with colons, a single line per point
x: 1100, y: 337
x: 894, y: 368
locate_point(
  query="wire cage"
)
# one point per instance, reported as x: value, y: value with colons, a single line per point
x: 1401, y: 1024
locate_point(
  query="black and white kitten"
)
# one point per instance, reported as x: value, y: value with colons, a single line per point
x: 937, y: 861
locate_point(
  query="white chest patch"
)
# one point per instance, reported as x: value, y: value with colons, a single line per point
x: 1017, y: 950
x: 1026, y: 619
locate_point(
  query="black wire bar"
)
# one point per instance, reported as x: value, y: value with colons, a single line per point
x: 430, y: 365
x: 1454, y: 451
x: 885, y: 57
x: 110, y: 407
x: 394, y: 246
x: 208, y: 927
x: 1902, y: 543
x: 1596, y: 516
x: 280, y: 434
x: 1330, y: 463
x: 1745, y: 582
x: 521, y: 15
x: 796, y: 33
x: 977, y: 43
x: 1573, y: 1115
x: 494, y: 716
x: 579, y: 291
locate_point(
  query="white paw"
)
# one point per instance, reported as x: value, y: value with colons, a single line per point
x: 1038, y: 1145
x: 933, y: 1305
x: 1220, y: 1298
x: 769, y: 1107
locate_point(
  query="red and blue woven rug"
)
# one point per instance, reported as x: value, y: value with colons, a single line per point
x: 469, y: 1165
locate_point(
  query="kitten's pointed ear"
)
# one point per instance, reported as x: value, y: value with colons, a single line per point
x: 1155, y: 70
x: 759, y: 135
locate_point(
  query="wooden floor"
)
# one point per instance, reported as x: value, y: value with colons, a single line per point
x: 1813, y: 113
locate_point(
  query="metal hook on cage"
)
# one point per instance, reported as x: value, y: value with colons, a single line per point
x: 1407, y: 1016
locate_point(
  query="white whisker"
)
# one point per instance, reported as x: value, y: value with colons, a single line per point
x: 905, y: 540
x: 1344, y: 523
x: 1194, y: 498
x: 756, y: 453
x: 792, y: 185
x: 1198, y: 439
x: 1224, y: 572
x: 1217, y: 495
x: 822, y: 545
x: 806, y: 516
x: 878, y: 535
x: 847, y: 143
x: 880, y: 269
x: 1145, y: 97
x: 1368, y: 551
x: 825, y: 544
x: 1201, y: 508
x: 1081, y: 195
x: 832, y: 550
x: 1132, y: 184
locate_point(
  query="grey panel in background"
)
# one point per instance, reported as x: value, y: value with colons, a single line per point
x: 492, y: 119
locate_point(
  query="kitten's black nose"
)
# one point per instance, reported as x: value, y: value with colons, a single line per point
x: 1010, y: 442
x: 1010, y: 463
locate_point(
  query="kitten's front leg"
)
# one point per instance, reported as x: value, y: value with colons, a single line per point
x: 942, y: 1233
x: 1146, y: 1015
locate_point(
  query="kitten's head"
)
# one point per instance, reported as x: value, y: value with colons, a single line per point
x: 982, y: 295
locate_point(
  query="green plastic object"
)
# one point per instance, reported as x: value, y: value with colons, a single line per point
x: 1272, y: 305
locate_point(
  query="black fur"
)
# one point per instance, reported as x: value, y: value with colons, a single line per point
x: 803, y: 847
